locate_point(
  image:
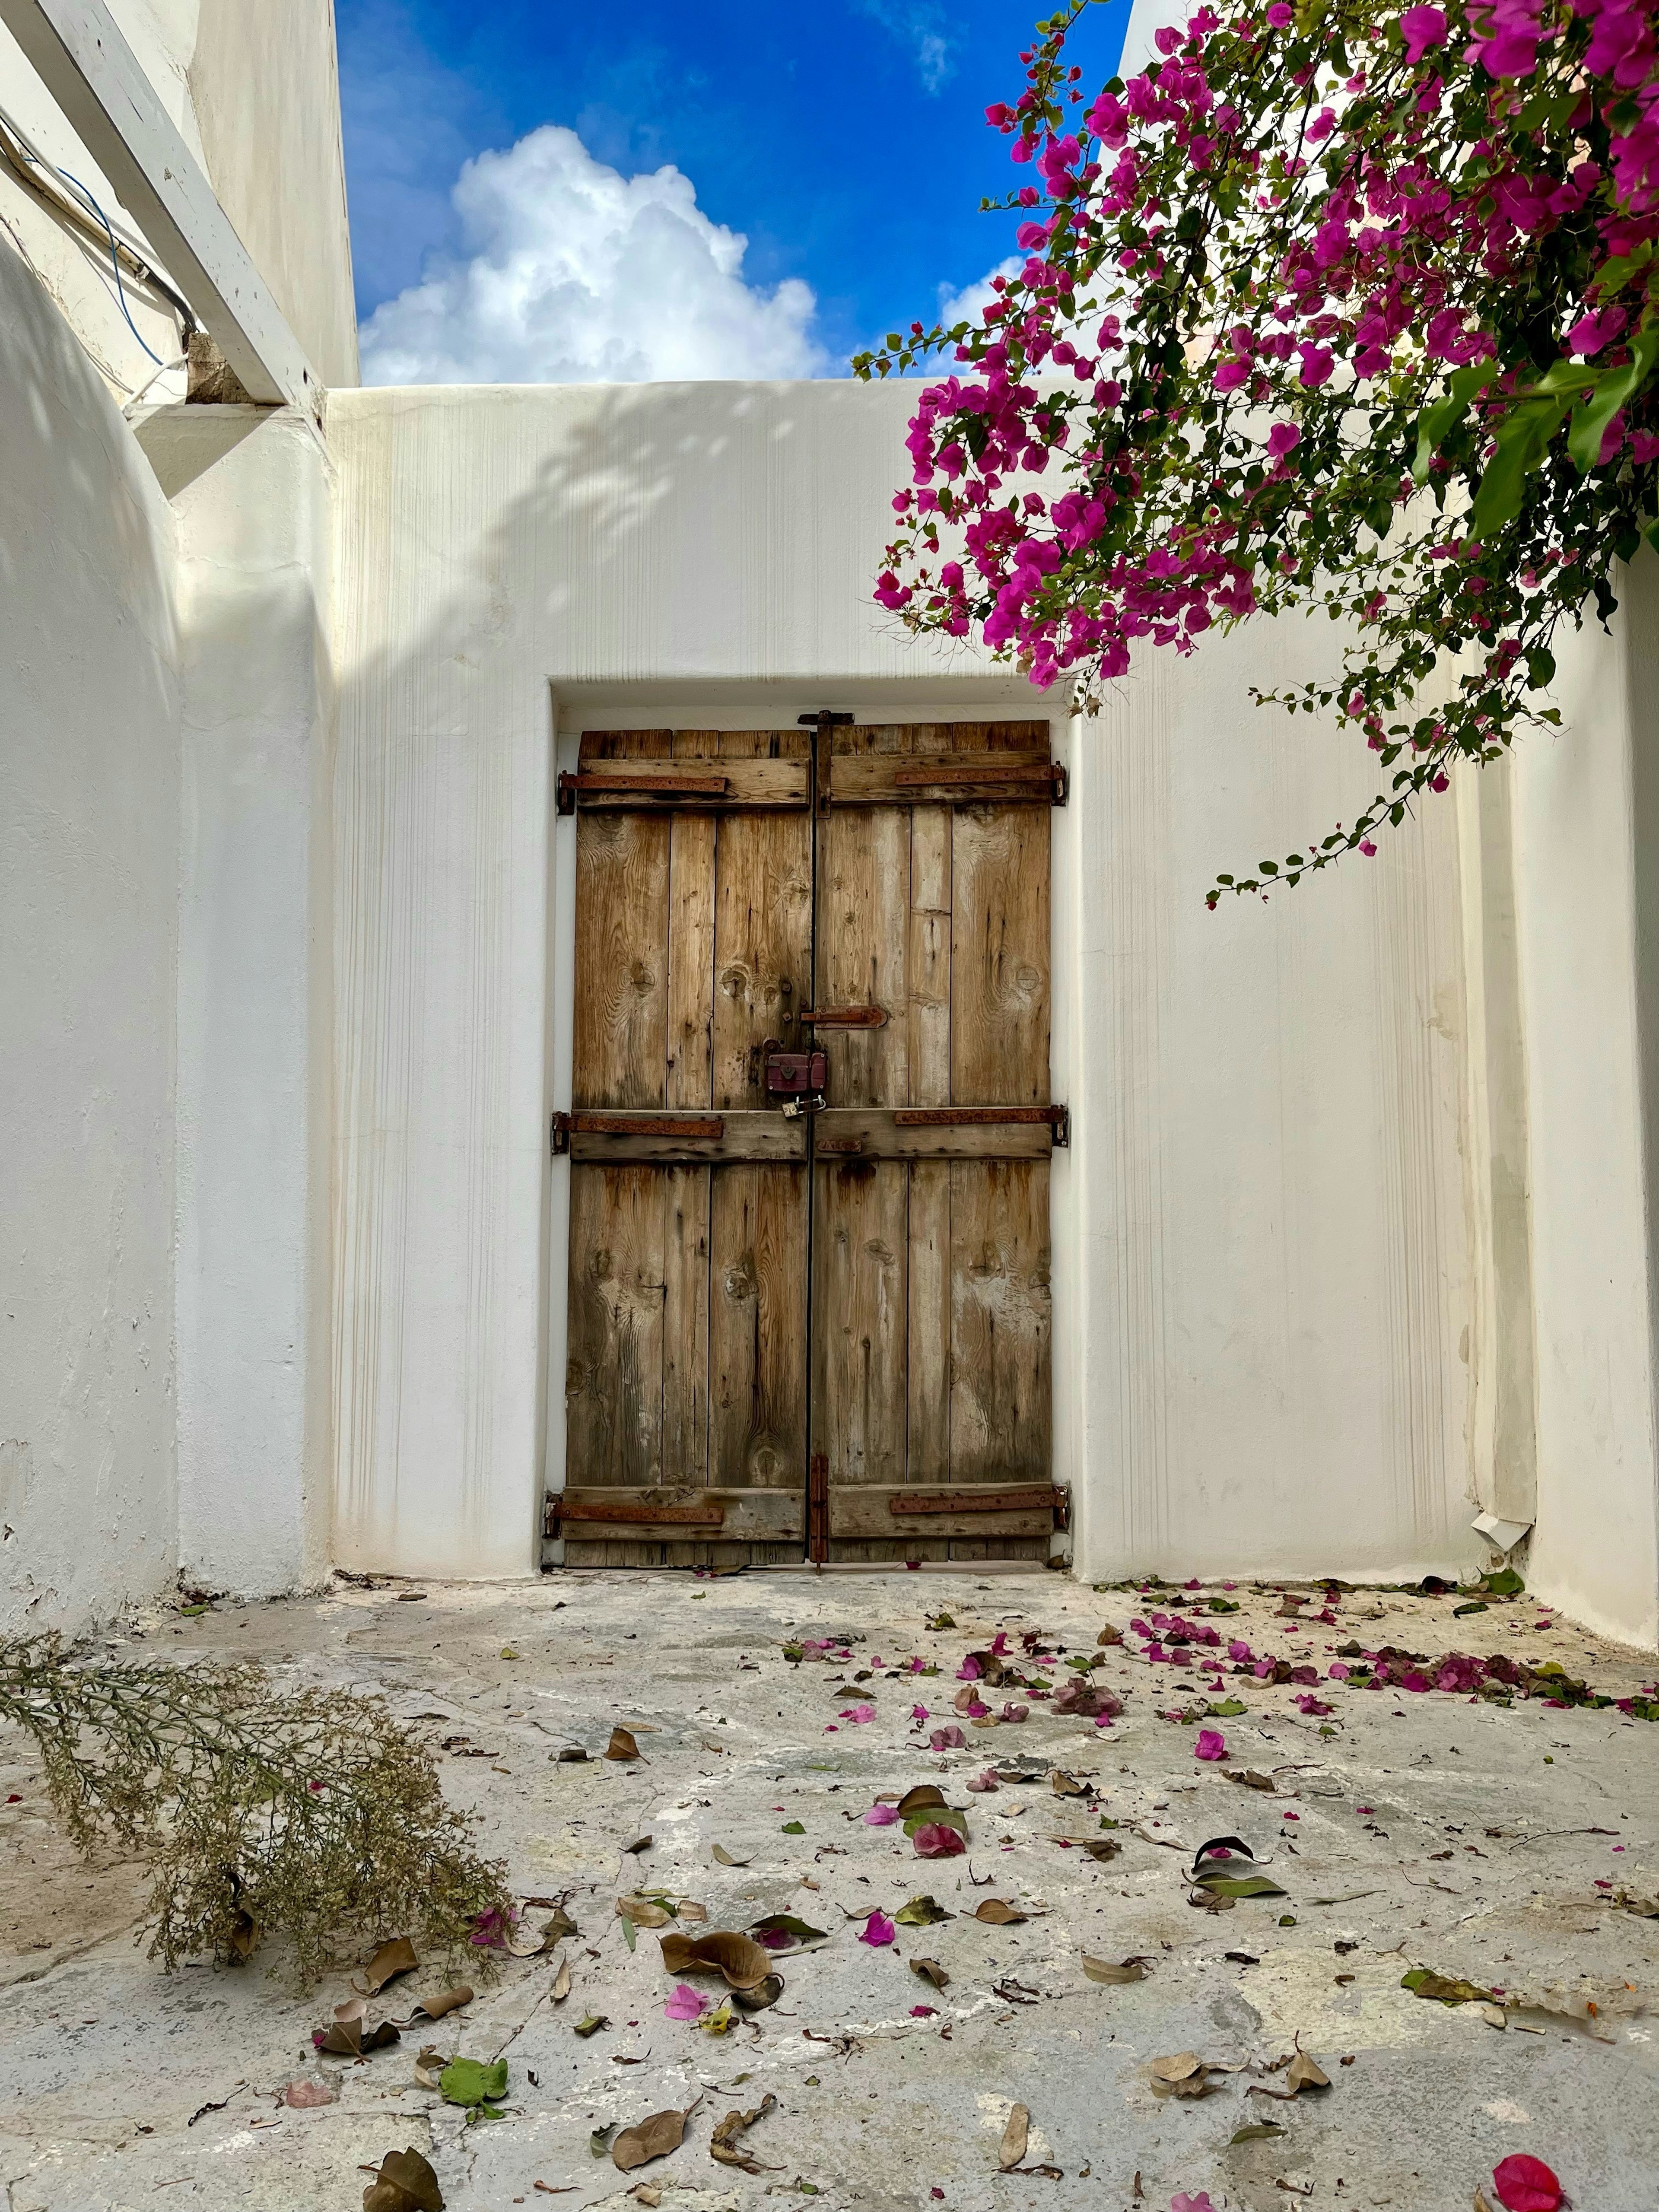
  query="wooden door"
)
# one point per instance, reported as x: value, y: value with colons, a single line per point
x: 811, y: 1331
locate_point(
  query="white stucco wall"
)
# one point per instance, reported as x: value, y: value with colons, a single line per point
x: 1261, y: 1218
x: 251, y: 492
x: 88, y: 842
x: 1587, y: 896
x: 253, y: 92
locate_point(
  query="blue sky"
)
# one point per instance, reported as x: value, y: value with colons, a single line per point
x: 845, y: 143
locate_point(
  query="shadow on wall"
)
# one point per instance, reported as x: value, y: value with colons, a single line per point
x: 89, y: 871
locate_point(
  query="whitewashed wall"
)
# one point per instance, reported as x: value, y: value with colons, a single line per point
x: 88, y: 844
x: 1586, y: 895
x: 1265, y: 1261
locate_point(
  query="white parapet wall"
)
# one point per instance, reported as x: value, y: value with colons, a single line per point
x: 1261, y: 1248
x: 88, y: 907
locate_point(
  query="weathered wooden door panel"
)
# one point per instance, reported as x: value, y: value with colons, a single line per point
x: 686, y: 1381
x: 882, y: 894
x: 930, y: 1317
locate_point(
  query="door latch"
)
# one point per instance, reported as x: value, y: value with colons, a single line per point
x: 794, y: 1080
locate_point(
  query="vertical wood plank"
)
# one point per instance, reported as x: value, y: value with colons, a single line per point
x: 685, y: 1199
x: 1001, y: 1410
x: 999, y: 957
x: 763, y: 931
x: 864, y: 906
x: 860, y: 1260
x: 690, y: 988
x: 621, y: 1013
x: 757, y: 1327
x: 614, y: 1374
x: 928, y: 1319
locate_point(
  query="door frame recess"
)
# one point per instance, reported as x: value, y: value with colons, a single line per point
x: 745, y: 707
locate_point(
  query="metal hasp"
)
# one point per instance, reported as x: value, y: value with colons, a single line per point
x: 112, y: 106
x: 817, y: 1508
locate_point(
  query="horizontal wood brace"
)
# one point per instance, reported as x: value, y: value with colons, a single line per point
x: 1034, y: 1498
x: 589, y: 1124
x: 565, y: 1506
x: 974, y: 768
x: 705, y: 783
x: 973, y: 1117
x: 739, y: 1516
x: 846, y: 1017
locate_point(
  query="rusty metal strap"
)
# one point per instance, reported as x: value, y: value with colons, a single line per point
x: 1037, y: 1499
x: 846, y: 1017
x: 974, y: 1117
x: 630, y: 1512
x: 708, y: 1127
x: 956, y: 767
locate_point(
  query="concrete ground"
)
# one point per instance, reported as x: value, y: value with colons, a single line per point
x: 1423, y: 1830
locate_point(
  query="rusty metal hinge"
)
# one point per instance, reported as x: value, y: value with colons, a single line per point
x: 552, y: 1514
x: 559, y: 1134
x: 817, y: 1507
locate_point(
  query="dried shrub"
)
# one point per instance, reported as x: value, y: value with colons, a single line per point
x: 311, y: 1814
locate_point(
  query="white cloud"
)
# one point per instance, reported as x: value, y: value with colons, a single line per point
x: 919, y: 24
x: 577, y: 275
x: 968, y: 305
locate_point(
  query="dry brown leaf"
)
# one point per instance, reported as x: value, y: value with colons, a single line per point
x: 1303, y: 2073
x: 436, y: 2007
x: 924, y: 1793
x: 931, y: 1971
x: 348, y: 2038
x: 305, y: 2094
x: 244, y: 1940
x: 1109, y: 1635
x: 640, y: 1844
x: 430, y: 2066
x: 723, y: 1857
x: 405, y: 2183
x: 393, y: 1958
x: 525, y: 1941
x: 1103, y: 1970
x: 997, y: 1912
x: 744, y: 1963
x: 723, y: 2144
x: 763, y: 1995
x: 622, y: 1745
x: 1179, y: 2066
x: 643, y: 1911
x: 1067, y: 1786
x: 562, y: 1982
x: 1014, y: 2137
x: 1249, y: 1779
x: 689, y: 1909
x: 652, y: 2138
x: 643, y: 2192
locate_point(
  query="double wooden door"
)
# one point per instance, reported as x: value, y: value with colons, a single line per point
x: 814, y: 1325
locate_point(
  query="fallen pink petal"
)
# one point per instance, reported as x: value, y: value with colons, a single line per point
x: 878, y: 1930
x: 881, y: 1816
x: 1210, y: 1744
x: 686, y: 2003
x: 935, y: 1841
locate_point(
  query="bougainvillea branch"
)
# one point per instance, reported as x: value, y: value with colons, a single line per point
x: 1333, y: 304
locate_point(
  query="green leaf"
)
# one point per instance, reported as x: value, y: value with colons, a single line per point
x: 793, y: 1828
x: 630, y: 1933
x: 1436, y: 423
x: 1522, y: 441
x: 1243, y: 1884
x: 1592, y: 415
x: 473, y: 2082
x: 1540, y: 667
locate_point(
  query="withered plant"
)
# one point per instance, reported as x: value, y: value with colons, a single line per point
x: 310, y: 1814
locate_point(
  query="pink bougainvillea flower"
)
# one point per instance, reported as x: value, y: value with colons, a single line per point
x: 933, y: 1840
x: 877, y: 1930
x: 1210, y: 1744
x: 685, y: 2003
x: 918, y: 1712
x: 490, y: 1929
x: 1283, y: 438
x: 923, y: 2012
x: 1421, y: 28
x: 979, y: 1783
x: 881, y: 1816
x: 1199, y: 2204
x: 1311, y: 1705
x: 947, y: 1739
x: 1526, y: 2184
x: 970, y: 1671
x: 1014, y: 1714
x: 859, y: 1714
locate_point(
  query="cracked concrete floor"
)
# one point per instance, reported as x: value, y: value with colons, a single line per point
x: 1406, y: 1829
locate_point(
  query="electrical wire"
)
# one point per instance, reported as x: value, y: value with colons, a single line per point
x: 22, y: 156
x: 156, y: 377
